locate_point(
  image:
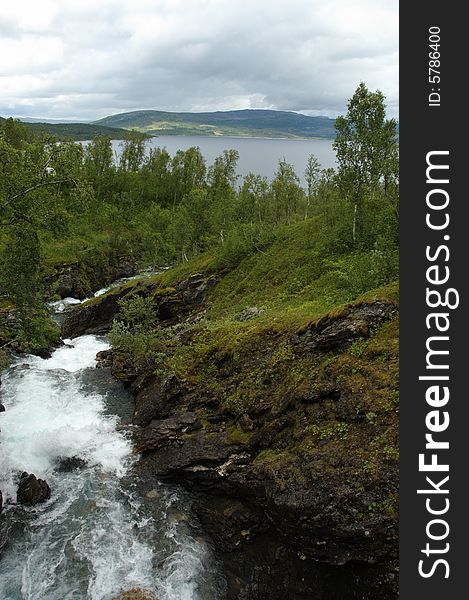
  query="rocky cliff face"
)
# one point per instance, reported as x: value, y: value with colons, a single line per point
x: 82, y: 279
x: 288, y: 441
x: 183, y: 301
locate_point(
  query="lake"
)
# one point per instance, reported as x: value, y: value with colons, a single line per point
x: 257, y: 155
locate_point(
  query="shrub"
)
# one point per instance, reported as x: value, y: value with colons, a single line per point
x: 133, y: 330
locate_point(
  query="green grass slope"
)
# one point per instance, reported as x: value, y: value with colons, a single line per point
x: 292, y: 280
x: 249, y: 123
x: 254, y: 366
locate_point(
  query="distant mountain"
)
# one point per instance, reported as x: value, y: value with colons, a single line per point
x: 47, y: 120
x: 249, y: 123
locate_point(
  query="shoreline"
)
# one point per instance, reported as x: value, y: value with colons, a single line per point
x: 247, y: 137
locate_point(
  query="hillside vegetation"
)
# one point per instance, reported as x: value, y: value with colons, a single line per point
x: 245, y: 123
x: 75, y: 131
x: 268, y: 384
x: 264, y: 362
x: 72, y: 205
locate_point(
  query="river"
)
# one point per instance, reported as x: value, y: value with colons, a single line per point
x: 257, y: 155
x: 102, y: 532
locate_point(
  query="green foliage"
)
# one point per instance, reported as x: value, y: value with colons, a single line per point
x: 19, y: 272
x: 137, y: 313
x: 367, y: 154
x: 133, y: 151
x: 287, y: 194
x: 237, y: 435
x: 133, y: 330
x: 361, y: 271
x: 313, y: 177
x: 358, y: 348
x: 326, y: 432
x: 38, y: 332
x: 391, y: 453
x: 63, y: 203
x: 143, y: 346
x: 75, y: 131
x: 242, y: 241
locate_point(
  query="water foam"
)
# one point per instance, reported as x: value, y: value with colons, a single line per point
x: 49, y: 416
x: 93, y: 538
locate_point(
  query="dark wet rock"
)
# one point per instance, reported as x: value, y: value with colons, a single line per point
x: 80, y: 280
x: 71, y: 463
x: 182, y: 303
x: 186, y: 303
x: 44, y: 352
x: 317, y: 395
x: 1, y: 501
x: 179, y: 443
x: 262, y: 564
x: 265, y: 435
x: 339, y: 332
x: 32, y: 490
x: 134, y: 376
x: 164, y: 432
x: 157, y: 400
x: 245, y: 423
x: 105, y: 358
x: 2, y: 408
x: 121, y: 364
x: 92, y: 317
x: 278, y: 536
x: 136, y: 594
x: 315, y: 526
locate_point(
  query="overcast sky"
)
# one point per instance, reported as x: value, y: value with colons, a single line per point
x: 85, y: 59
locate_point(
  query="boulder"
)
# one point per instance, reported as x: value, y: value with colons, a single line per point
x: 93, y: 317
x: 81, y: 279
x: 71, y: 463
x: 32, y: 490
x: 104, y: 359
x: 245, y: 423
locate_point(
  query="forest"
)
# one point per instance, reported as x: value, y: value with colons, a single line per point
x: 67, y: 202
x: 254, y: 321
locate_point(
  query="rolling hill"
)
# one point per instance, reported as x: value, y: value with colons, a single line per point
x: 235, y: 123
x: 77, y: 131
x: 73, y: 131
x: 243, y: 123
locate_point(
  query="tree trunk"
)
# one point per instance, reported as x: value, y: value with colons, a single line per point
x: 308, y: 202
x: 354, y: 224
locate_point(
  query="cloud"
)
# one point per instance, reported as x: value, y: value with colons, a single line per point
x: 88, y: 59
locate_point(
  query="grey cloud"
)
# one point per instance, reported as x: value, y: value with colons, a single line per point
x: 210, y: 54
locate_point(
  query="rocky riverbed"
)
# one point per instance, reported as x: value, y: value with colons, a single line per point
x: 295, y: 483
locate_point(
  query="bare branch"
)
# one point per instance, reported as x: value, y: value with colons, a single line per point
x: 35, y: 187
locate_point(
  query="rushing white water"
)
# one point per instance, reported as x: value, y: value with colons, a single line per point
x: 93, y: 538
x: 59, y: 306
